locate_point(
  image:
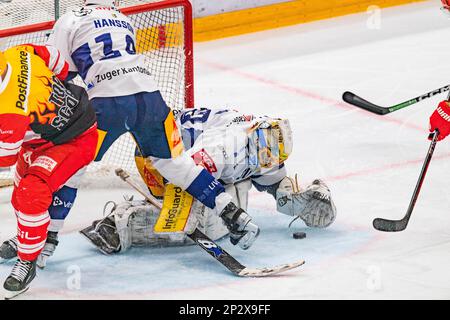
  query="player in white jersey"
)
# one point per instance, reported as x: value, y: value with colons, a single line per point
x: 240, y: 151
x: 98, y: 41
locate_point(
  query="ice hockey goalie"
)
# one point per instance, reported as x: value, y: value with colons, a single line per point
x: 239, y: 150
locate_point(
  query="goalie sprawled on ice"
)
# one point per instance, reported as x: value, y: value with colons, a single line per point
x: 239, y: 151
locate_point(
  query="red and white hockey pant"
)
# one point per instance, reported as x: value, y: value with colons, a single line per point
x: 39, y: 173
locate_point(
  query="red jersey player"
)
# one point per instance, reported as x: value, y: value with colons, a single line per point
x: 48, y: 130
x: 440, y: 119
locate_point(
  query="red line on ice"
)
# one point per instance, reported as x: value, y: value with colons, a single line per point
x: 368, y: 171
x: 309, y: 94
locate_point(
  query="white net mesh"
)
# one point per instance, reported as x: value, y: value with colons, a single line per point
x: 160, y: 37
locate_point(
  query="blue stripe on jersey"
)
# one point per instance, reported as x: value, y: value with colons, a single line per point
x: 83, y: 60
x: 205, y: 189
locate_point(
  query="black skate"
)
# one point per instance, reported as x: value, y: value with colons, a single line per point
x: 20, y: 278
x: 8, y: 249
x: 242, y: 231
x: 49, y: 249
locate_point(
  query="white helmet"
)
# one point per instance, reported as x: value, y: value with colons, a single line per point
x: 106, y: 3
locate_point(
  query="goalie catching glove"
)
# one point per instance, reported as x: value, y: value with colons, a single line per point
x: 313, y: 205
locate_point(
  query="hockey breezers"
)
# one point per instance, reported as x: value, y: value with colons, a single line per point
x: 400, y: 225
x: 357, y: 101
x: 212, y: 247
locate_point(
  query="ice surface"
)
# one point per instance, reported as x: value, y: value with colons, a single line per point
x: 371, y: 164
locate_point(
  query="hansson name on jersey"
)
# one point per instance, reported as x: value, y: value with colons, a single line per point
x: 100, y: 45
x: 113, y: 23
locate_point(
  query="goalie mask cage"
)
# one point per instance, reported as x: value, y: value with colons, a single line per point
x: 163, y: 36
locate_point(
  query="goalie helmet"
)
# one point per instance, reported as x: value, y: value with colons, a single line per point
x: 271, y: 140
x: 106, y: 3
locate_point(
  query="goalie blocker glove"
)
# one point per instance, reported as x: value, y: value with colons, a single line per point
x: 242, y: 231
x: 440, y: 119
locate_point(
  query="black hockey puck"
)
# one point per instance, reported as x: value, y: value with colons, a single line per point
x: 299, y: 235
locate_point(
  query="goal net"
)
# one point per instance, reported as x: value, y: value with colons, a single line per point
x: 163, y: 36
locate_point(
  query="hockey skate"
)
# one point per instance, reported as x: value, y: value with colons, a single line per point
x: 242, y: 231
x: 8, y: 250
x: 49, y: 249
x: 20, y: 278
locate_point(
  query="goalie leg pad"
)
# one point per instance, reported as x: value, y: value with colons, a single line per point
x: 99, y: 240
x: 102, y: 234
x: 175, y: 212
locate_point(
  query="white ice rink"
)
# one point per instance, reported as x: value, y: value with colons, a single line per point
x: 371, y: 164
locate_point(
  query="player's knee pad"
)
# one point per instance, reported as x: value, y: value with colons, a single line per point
x: 63, y: 200
x: 32, y: 196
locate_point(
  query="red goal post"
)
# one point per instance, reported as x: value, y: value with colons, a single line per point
x: 164, y: 37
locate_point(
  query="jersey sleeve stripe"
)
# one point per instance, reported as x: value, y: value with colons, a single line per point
x: 10, y: 146
x: 54, y: 65
x: 7, y: 153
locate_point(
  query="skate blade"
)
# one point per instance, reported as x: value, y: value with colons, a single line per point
x: 9, y: 295
x: 41, y: 266
x: 92, y: 242
x: 41, y: 263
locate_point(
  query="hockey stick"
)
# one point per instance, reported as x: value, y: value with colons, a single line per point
x: 400, y: 225
x: 213, y: 248
x: 357, y: 101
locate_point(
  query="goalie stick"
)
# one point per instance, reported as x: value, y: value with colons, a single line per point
x: 357, y: 101
x: 400, y: 225
x: 212, y: 247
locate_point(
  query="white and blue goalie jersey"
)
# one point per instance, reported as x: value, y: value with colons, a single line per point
x: 218, y: 140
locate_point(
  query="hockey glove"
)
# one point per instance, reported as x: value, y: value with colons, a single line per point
x: 440, y: 119
x: 313, y: 205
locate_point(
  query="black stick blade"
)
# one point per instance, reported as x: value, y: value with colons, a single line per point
x: 357, y: 101
x: 389, y: 225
